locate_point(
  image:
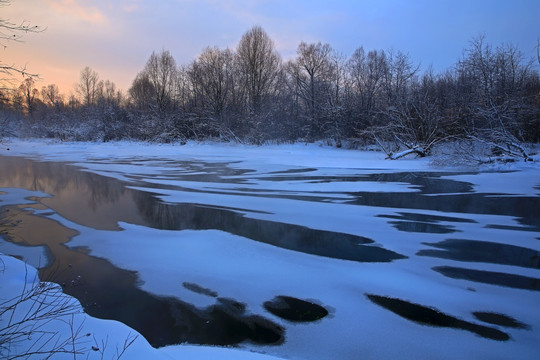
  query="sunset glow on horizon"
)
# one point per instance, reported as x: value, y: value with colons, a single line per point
x: 116, y: 38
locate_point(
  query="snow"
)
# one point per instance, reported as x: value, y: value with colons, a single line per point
x: 254, y: 272
x: 18, y: 278
x: 269, y: 158
x: 491, y: 183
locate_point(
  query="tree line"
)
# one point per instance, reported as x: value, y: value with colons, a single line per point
x: 250, y: 94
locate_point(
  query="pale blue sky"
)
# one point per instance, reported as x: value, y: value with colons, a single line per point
x: 116, y: 37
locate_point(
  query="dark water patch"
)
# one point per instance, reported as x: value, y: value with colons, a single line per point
x: 499, y: 319
x: 79, y: 196
x: 490, y: 277
x: 432, y: 317
x: 108, y: 292
x: 427, y: 182
x: 199, y: 289
x: 316, y: 242
x: 293, y: 309
x: 201, y: 171
x: 288, y: 236
x: 233, y: 305
x: 101, y: 202
x: 422, y: 227
x: 314, y: 179
x: 447, y: 195
x: 224, y: 324
x: 426, y: 218
x: 314, y: 196
x: 294, y: 171
x: 483, y: 251
x: 512, y: 228
x: 524, y: 209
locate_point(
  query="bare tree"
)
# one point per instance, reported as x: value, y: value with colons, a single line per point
x: 160, y: 70
x: 366, y: 79
x: 308, y: 73
x: 417, y: 124
x: 73, y: 102
x: 497, y: 103
x: 259, y: 65
x: 397, y: 76
x: 407, y: 118
x: 51, y: 94
x: 333, y: 106
x: 29, y: 93
x: 212, y: 79
x: 111, y: 94
x: 89, y: 87
x: 12, y: 32
x: 141, y: 91
x: 182, y: 90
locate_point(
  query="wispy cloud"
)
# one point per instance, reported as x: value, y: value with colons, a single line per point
x: 73, y: 8
x: 131, y: 5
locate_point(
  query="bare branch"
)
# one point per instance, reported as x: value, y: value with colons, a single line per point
x: 13, y: 32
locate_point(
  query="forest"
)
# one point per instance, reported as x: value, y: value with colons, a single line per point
x: 249, y: 94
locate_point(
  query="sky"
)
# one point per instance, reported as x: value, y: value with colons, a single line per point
x: 115, y: 38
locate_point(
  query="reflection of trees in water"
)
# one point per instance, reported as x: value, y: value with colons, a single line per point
x: 72, y: 186
x: 427, y: 182
x: 461, y: 198
x: 100, y: 191
x: 60, y: 180
x: 526, y: 209
x: 195, y: 170
x: 108, y: 292
x: 7, y: 221
x: 287, y: 236
x: 483, y: 251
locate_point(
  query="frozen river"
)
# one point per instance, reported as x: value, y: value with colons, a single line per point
x: 286, y: 257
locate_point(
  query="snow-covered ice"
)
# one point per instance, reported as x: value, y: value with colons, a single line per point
x: 317, y: 188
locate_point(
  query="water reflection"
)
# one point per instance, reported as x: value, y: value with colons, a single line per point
x: 446, y: 195
x: 79, y: 196
x: 500, y: 319
x: 108, y: 292
x: 425, y: 315
x: 484, y: 251
x: 490, y: 277
x: 101, y: 202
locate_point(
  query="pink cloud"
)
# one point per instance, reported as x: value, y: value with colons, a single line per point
x: 73, y: 8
